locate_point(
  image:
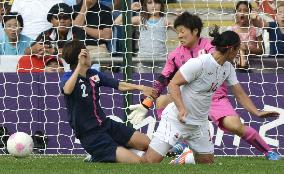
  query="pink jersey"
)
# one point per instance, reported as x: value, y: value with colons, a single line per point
x: 177, y: 58
x: 181, y: 55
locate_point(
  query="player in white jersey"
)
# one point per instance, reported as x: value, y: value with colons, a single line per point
x: 191, y: 89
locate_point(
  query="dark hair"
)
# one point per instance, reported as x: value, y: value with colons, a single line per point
x: 60, y: 8
x: 224, y: 41
x: 13, y: 15
x: 70, y: 52
x: 244, y: 3
x: 189, y: 21
x: 145, y: 14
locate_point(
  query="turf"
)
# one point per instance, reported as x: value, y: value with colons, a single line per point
x: 74, y: 165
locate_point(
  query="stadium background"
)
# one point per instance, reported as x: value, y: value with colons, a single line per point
x: 30, y: 102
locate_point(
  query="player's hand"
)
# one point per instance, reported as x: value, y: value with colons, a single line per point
x: 138, y: 113
x: 253, y: 15
x: 148, y: 91
x: 265, y: 114
x: 83, y: 58
x: 182, y: 115
x: 136, y: 6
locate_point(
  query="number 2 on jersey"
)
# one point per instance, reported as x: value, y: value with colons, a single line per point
x: 83, y: 87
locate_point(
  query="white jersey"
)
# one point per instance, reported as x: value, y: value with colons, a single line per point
x: 204, y: 75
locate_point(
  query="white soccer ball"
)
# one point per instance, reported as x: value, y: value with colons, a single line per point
x: 189, y: 158
x: 20, y: 144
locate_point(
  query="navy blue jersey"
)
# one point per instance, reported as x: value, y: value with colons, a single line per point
x: 84, y: 110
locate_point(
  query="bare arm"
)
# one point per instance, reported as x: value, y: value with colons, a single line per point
x: 70, y: 84
x: 247, y: 103
x: 259, y: 49
x: 135, y: 20
x: 174, y: 87
x: 99, y: 34
x: 257, y: 21
x: 80, y: 18
x: 243, y: 98
x: 147, y: 91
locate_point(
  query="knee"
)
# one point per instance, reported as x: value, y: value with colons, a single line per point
x: 204, y: 159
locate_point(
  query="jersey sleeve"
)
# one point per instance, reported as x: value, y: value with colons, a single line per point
x: 232, y: 78
x: 191, y: 69
x: 107, y: 81
x: 170, y: 67
x: 63, y: 80
x: 167, y: 74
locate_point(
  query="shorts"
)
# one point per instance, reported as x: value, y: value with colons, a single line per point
x: 102, y: 143
x: 219, y: 109
x: 171, y: 130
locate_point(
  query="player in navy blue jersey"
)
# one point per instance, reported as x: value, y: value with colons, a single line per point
x: 103, y: 138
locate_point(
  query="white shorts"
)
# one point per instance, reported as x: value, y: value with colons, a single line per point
x: 171, y: 130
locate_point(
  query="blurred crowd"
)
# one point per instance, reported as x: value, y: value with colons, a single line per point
x: 36, y: 30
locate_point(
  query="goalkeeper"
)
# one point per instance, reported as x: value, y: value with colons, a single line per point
x: 192, y: 45
x: 103, y: 138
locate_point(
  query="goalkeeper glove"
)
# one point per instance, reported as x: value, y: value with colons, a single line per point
x: 139, y: 111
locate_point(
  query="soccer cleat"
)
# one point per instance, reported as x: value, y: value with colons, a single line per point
x: 273, y: 156
x: 89, y: 159
x: 180, y: 160
x: 177, y: 149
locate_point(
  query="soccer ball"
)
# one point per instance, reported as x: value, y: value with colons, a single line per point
x: 189, y: 158
x: 20, y: 144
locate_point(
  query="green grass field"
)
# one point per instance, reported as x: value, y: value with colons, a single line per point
x: 74, y: 165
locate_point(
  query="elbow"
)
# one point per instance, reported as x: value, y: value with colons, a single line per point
x: 66, y: 91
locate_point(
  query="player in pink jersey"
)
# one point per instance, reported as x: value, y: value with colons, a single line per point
x: 189, y: 28
x: 192, y: 45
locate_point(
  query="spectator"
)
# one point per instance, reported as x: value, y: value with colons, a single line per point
x: 275, y: 29
x: 52, y: 64
x: 266, y: 10
x: 35, y: 62
x: 4, y: 8
x: 34, y: 14
x: 153, y: 27
x: 13, y: 43
x: 267, y: 7
x: 96, y: 19
x: 250, y: 36
x: 60, y: 16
